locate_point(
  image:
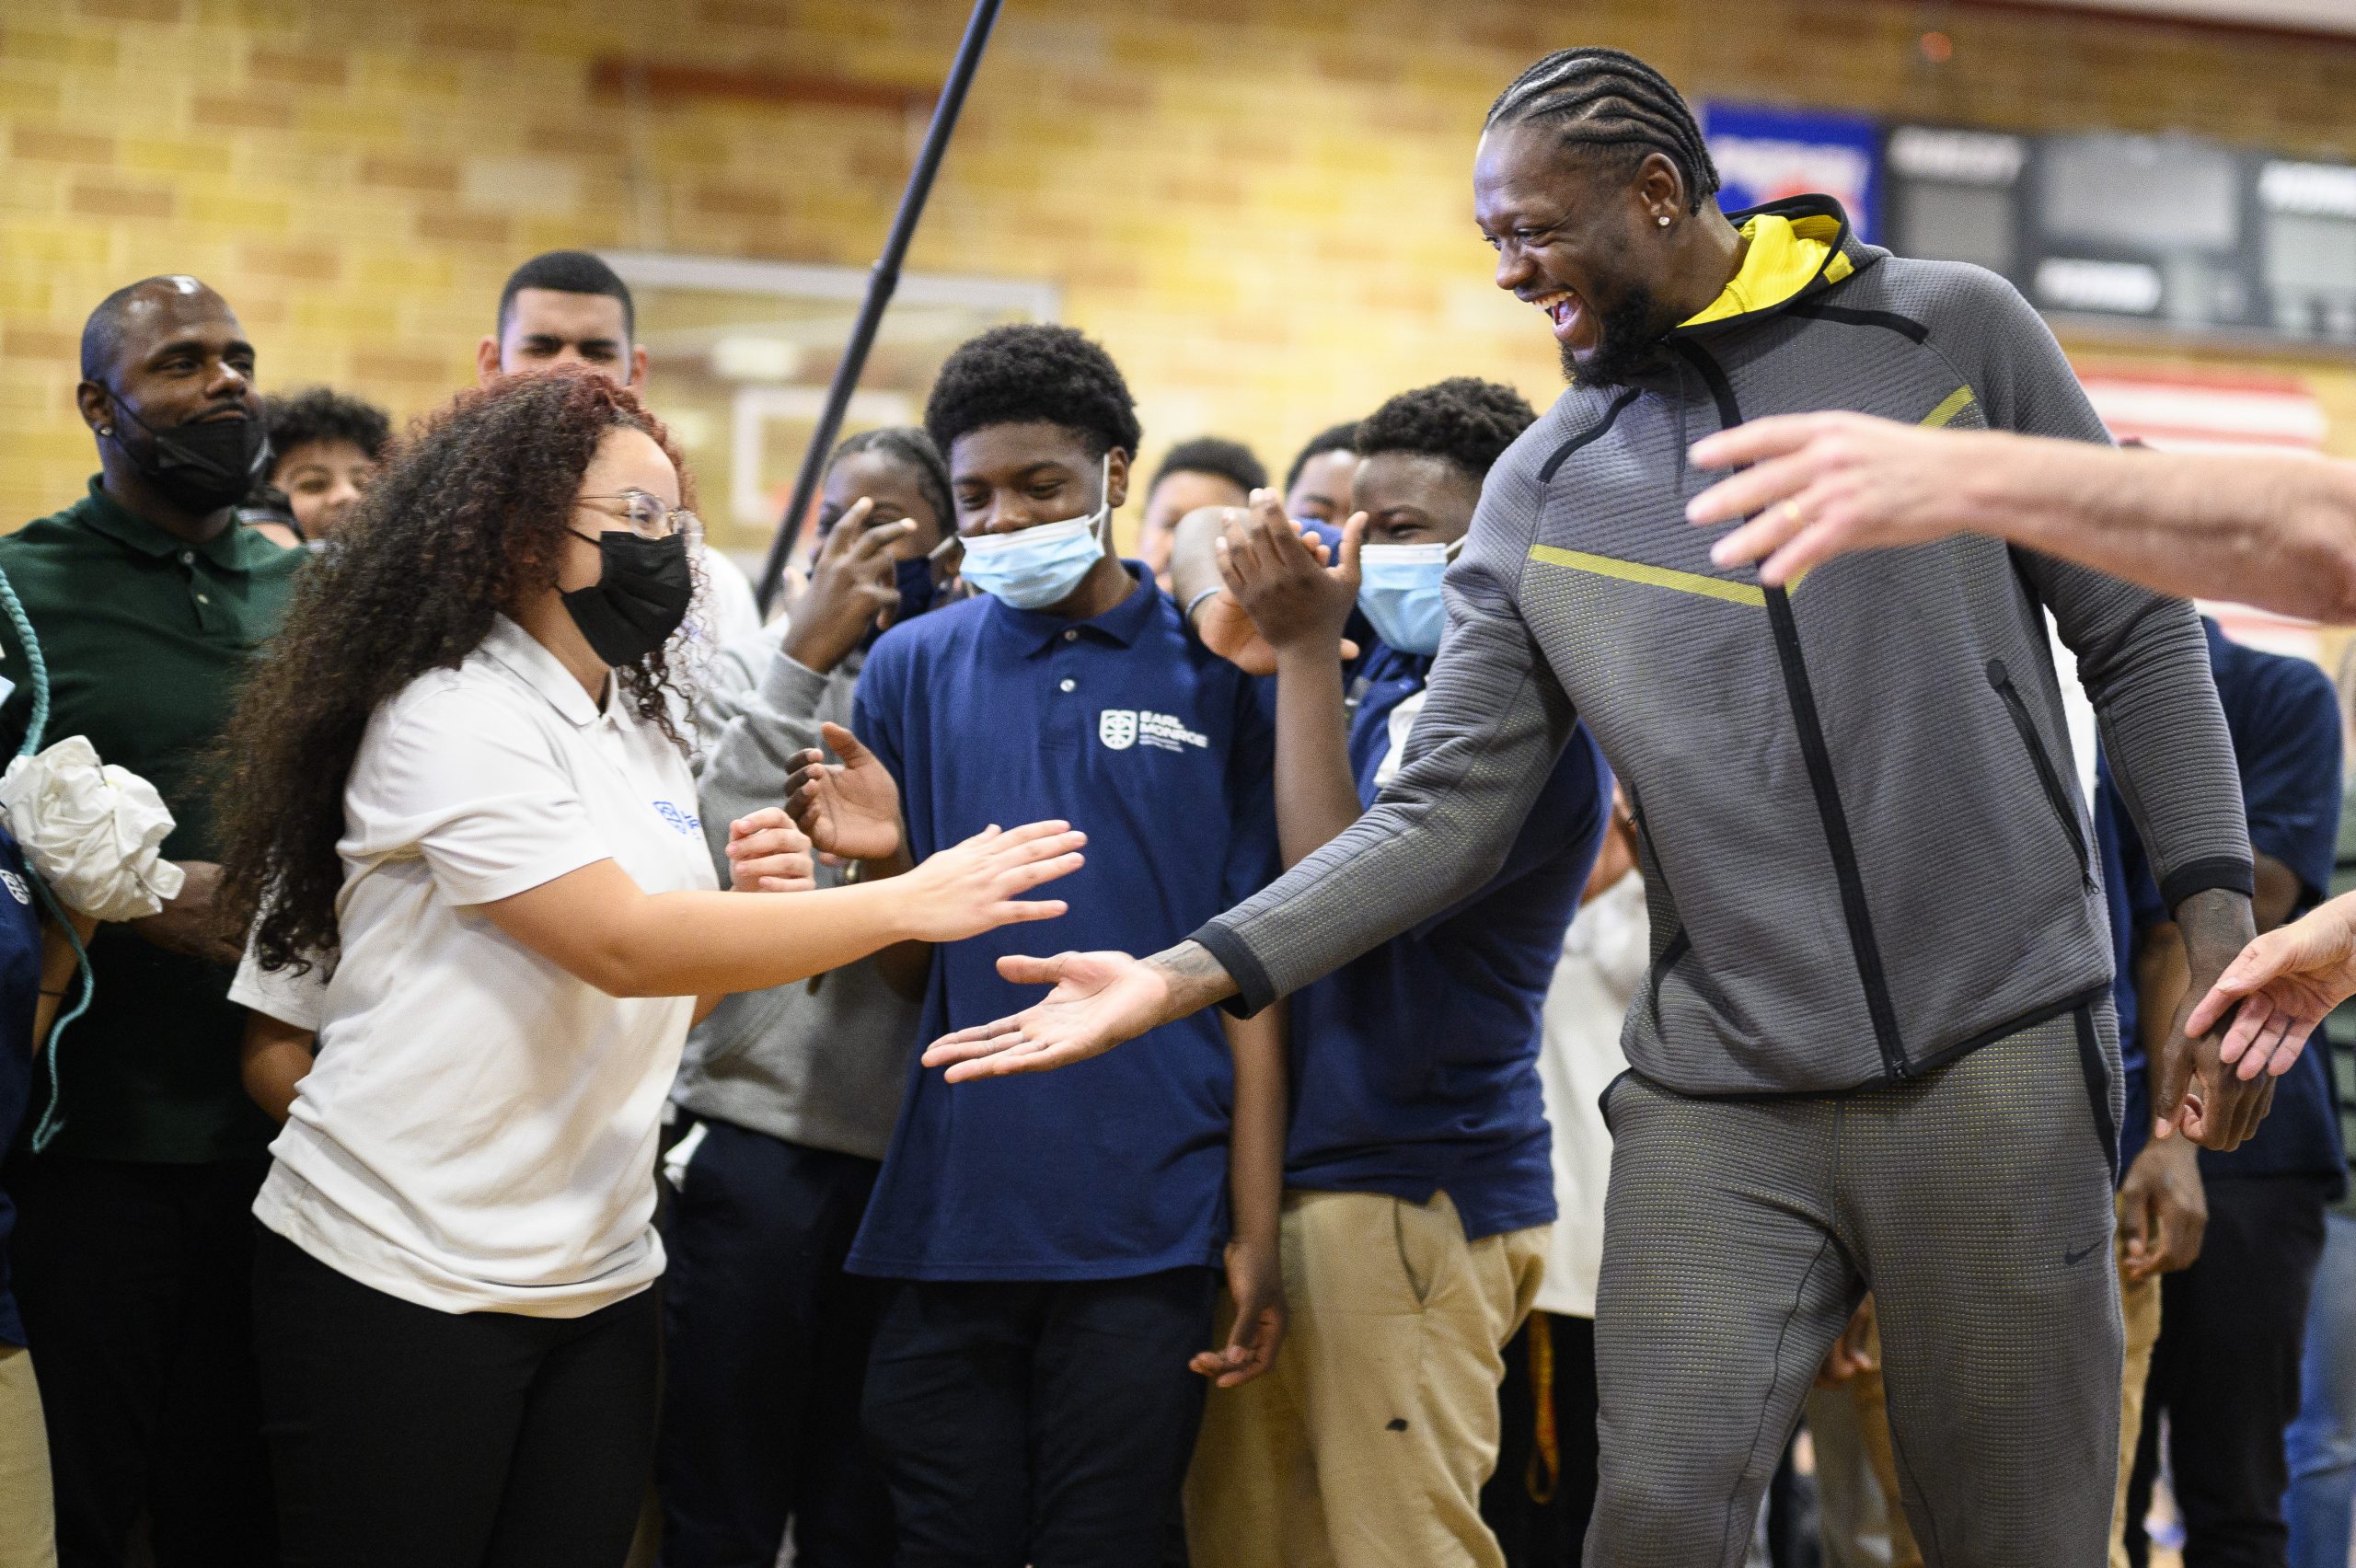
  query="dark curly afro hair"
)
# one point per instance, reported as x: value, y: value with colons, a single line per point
x: 1030, y: 372
x: 1332, y: 438
x: 321, y: 413
x: 1465, y: 420
x: 1229, y: 460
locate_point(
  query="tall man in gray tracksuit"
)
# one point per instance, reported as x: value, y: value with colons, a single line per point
x: 1873, y: 1048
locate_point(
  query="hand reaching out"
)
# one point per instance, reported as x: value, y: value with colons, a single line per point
x: 2285, y: 981
x: 978, y: 885
x: 1099, y: 1000
x: 850, y: 810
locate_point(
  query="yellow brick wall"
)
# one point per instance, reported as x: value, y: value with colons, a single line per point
x: 1261, y: 206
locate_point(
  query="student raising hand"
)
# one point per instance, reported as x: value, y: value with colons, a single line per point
x: 850, y: 810
x: 1279, y: 574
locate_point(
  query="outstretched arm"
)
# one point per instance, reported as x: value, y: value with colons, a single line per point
x: 2276, y: 532
x: 1493, y: 724
x: 599, y: 924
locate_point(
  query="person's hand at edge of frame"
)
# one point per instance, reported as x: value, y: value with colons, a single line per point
x: 2279, y: 986
x: 1819, y: 486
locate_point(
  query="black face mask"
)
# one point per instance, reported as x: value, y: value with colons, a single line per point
x: 642, y: 594
x: 200, y: 468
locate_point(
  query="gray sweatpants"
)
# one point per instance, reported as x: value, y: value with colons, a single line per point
x: 1974, y: 1202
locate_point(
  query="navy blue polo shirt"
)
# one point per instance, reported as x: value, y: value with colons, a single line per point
x: 1163, y: 754
x: 19, y: 995
x: 1416, y: 1064
x: 2285, y: 725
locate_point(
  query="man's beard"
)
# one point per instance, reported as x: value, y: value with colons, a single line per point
x: 1629, y: 345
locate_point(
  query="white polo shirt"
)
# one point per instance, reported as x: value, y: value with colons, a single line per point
x: 479, y: 1131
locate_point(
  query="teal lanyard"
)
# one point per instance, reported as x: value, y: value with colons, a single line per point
x: 50, y: 1120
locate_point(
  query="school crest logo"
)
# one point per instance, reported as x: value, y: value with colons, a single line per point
x: 1118, y: 727
x: 17, y: 888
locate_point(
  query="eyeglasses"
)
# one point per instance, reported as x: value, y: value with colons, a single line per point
x: 647, y: 517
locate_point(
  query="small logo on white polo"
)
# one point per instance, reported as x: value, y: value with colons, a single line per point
x: 685, y: 821
x: 1121, y: 728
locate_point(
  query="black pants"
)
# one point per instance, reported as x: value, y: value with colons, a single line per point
x: 766, y: 1344
x: 402, y: 1436
x: 1539, y: 1515
x: 134, y: 1284
x: 1048, y: 1423
x: 2226, y: 1370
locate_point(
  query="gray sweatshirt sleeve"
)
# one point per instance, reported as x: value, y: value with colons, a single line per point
x: 1492, y: 726
x: 759, y: 707
x: 2142, y: 657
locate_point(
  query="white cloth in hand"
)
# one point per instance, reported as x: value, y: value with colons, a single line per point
x: 93, y: 832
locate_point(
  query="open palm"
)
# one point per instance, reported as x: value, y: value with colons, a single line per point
x: 850, y: 810
x: 1100, y: 1000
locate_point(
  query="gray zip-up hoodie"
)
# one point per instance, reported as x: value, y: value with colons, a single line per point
x: 822, y: 1062
x: 1864, y: 849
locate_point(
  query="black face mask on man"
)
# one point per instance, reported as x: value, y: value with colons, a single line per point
x: 202, y: 466
x: 642, y: 594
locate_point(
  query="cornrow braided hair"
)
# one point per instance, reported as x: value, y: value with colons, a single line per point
x: 1608, y: 98
x: 910, y: 446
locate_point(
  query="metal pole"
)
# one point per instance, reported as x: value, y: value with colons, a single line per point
x: 882, y: 280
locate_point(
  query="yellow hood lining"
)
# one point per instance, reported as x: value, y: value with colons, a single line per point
x: 1784, y: 256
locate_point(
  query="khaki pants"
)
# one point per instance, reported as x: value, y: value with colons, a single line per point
x: 27, y: 1519
x: 1368, y: 1445
x: 2139, y: 1304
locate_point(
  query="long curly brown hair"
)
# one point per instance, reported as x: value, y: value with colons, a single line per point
x: 468, y: 518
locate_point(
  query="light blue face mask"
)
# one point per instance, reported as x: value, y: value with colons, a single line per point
x: 1033, y: 568
x: 1399, y: 591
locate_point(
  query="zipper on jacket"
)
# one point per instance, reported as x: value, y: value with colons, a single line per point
x: 2046, y: 777
x: 1818, y: 756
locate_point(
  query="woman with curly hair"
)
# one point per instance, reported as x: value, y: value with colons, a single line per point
x: 455, y: 789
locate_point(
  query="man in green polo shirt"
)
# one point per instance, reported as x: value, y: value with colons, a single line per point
x: 133, y: 1250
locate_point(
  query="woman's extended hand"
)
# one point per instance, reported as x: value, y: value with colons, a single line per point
x: 767, y: 854
x: 978, y: 885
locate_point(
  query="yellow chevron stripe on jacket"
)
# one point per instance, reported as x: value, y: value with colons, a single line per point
x: 1652, y: 576
x: 1949, y: 406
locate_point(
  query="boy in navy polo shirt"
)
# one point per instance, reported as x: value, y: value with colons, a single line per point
x: 1418, y: 1179
x: 2232, y: 1324
x: 1051, y: 1244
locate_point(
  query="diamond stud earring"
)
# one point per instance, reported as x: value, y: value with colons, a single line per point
x: 1662, y: 220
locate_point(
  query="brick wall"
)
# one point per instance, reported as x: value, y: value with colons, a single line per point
x: 1261, y: 206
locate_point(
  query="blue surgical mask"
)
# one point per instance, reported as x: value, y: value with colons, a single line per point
x: 1399, y: 591
x: 1033, y: 568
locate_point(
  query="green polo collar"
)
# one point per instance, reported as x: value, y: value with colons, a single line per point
x: 231, y: 550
